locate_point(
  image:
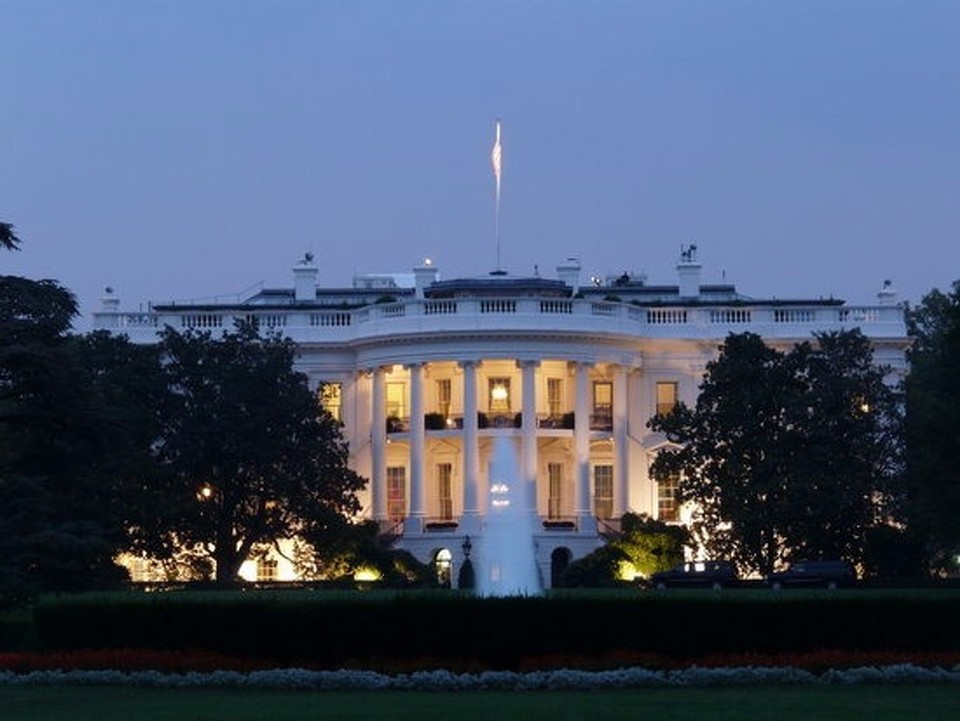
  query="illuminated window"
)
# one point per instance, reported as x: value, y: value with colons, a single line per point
x: 445, y: 490
x: 266, y: 569
x: 396, y: 492
x: 666, y: 397
x: 444, y: 566
x: 602, y: 417
x: 668, y: 508
x: 443, y: 397
x: 499, y: 395
x: 603, y: 491
x: 554, y: 397
x: 396, y: 397
x: 331, y: 399
x: 555, y: 490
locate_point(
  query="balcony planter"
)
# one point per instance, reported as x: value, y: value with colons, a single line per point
x: 441, y: 526
x: 554, y: 525
x: 435, y: 422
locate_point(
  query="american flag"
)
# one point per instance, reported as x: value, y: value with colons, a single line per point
x: 496, y: 156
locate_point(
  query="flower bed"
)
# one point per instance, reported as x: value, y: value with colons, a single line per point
x: 202, y: 668
x: 561, y: 679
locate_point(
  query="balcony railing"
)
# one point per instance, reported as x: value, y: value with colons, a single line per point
x: 602, y: 421
x: 578, y: 316
x: 599, y: 421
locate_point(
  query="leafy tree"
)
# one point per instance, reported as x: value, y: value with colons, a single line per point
x: 848, y: 476
x: 8, y: 239
x: 73, y: 438
x: 650, y: 544
x: 933, y: 424
x: 249, y: 456
x: 598, y: 569
x: 734, y: 453
x: 786, y: 454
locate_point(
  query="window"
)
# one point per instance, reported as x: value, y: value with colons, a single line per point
x: 602, y: 418
x: 443, y: 397
x: 396, y: 492
x: 396, y: 397
x: 603, y: 491
x: 266, y: 569
x: 666, y: 397
x: 554, y: 397
x: 331, y: 398
x: 445, y: 491
x: 555, y: 491
x: 668, y: 509
x: 499, y: 395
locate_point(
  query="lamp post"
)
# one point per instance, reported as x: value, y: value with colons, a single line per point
x: 466, y: 580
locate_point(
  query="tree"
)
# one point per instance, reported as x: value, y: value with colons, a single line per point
x: 933, y: 424
x: 733, y: 453
x: 786, y: 454
x: 8, y: 239
x: 650, y: 544
x: 249, y: 456
x: 73, y: 441
x: 848, y: 476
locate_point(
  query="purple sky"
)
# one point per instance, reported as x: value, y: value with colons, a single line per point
x: 192, y: 148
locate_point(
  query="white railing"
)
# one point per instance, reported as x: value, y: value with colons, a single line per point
x: 579, y: 317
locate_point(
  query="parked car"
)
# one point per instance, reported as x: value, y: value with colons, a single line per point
x: 697, y: 574
x: 813, y: 574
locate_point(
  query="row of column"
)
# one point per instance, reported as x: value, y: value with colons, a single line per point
x: 471, y: 437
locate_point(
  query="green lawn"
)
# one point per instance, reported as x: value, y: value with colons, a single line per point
x: 823, y: 703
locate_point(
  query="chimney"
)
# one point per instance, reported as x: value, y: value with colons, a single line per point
x: 888, y: 294
x: 425, y: 274
x: 305, y: 279
x: 109, y: 303
x: 569, y: 272
x: 688, y: 270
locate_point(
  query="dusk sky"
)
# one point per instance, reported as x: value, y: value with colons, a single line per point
x: 187, y: 149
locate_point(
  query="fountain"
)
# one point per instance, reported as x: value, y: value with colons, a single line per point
x: 506, y: 564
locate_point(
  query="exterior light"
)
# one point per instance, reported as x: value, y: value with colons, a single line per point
x: 367, y: 574
x: 205, y: 492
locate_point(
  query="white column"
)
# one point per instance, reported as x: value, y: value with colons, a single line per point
x: 621, y: 456
x: 581, y: 447
x: 417, y: 440
x: 528, y: 370
x: 378, y: 444
x: 470, y: 523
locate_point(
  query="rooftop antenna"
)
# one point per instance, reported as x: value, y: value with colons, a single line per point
x: 496, y: 158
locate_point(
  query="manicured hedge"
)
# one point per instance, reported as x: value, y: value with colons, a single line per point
x: 502, y: 632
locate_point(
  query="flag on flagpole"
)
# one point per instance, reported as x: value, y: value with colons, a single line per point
x: 496, y: 157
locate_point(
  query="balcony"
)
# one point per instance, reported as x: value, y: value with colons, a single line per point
x: 601, y: 420
x: 579, y: 317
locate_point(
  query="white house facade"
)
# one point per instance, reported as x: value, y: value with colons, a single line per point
x: 427, y: 374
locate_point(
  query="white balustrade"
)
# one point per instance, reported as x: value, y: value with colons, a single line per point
x: 579, y: 317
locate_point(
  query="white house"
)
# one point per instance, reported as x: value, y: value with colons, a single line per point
x: 426, y: 374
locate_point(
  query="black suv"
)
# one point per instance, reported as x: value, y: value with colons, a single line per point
x: 697, y: 574
x: 819, y: 574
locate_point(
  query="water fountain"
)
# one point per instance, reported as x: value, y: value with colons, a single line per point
x: 505, y: 560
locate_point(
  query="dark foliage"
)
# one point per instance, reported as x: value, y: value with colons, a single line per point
x: 788, y: 454
x: 933, y: 426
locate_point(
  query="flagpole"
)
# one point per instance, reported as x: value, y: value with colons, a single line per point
x: 496, y: 158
